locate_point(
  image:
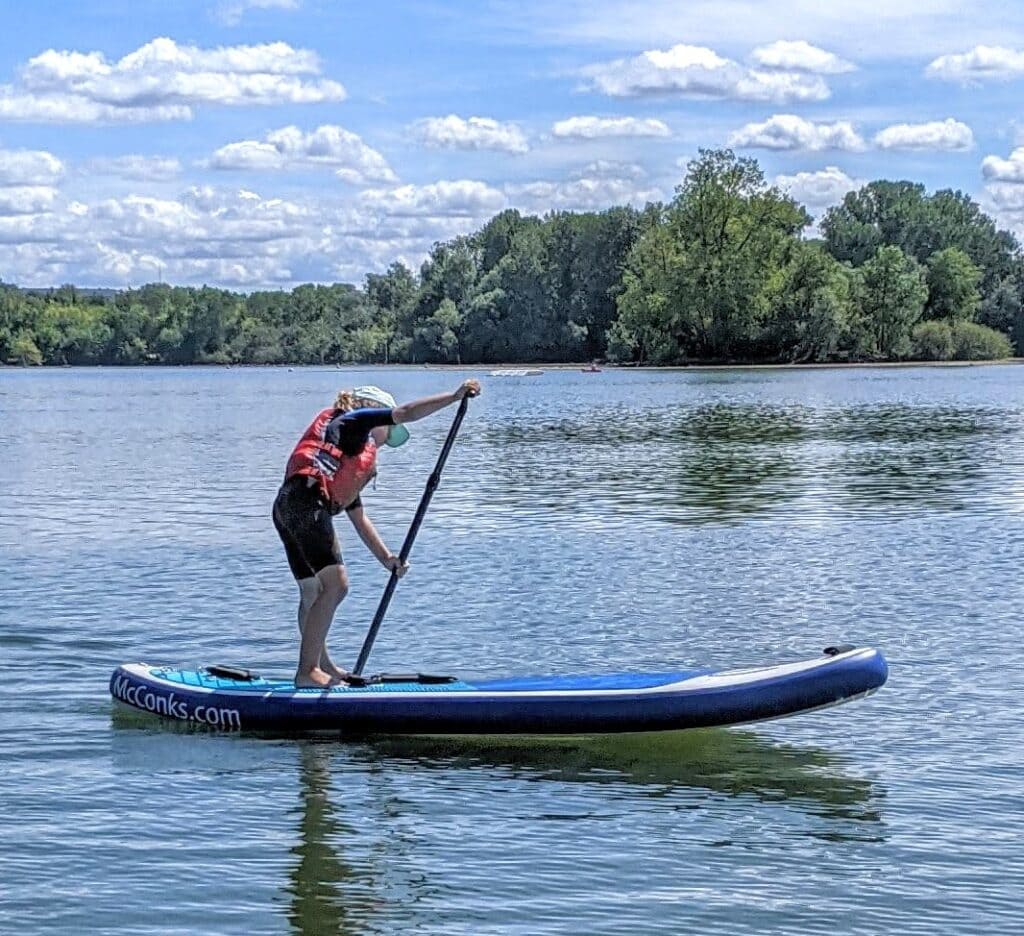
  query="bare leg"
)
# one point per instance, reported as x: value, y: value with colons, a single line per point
x: 309, y: 591
x: 333, y: 588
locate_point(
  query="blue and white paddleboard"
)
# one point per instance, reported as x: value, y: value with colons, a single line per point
x: 619, y: 702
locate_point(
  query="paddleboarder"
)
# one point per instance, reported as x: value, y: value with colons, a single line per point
x: 331, y: 464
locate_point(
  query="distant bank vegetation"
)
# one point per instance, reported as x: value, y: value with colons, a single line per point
x: 721, y: 273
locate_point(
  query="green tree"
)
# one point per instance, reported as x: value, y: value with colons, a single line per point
x: 890, y: 298
x: 810, y: 306
x: 952, y: 286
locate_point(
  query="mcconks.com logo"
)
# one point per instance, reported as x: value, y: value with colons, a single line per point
x: 161, y: 703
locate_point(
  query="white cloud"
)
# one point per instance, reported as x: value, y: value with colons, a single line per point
x: 70, y: 109
x: 230, y: 12
x: 592, y: 128
x: 945, y: 134
x: 474, y: 133
x: 162, y: 80
x: 800, y: 56
x: 329, y: 146
x: 1004, y: 201
x: 1004, y: 170
x: 980, y: 63
x: 460, y: 198
x: 29, y: 167
x: 596, y: 187
x: 819, y: 189
x: 699, y: 72
x: 26, y: 199
x: 135, y: 167
x: 610, y: 169
x: 790, y: 132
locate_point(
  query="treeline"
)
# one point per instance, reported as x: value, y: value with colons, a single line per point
x: 720, y: 273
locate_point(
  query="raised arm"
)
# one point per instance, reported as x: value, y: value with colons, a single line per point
x: 417, y: 409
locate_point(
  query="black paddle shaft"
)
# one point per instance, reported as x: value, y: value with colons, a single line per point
x: 410, y: 537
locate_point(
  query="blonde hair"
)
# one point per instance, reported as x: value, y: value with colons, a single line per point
x: 345, y: 401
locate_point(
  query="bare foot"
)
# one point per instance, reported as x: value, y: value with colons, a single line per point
x: 336, y: 673
x: 316, y: 678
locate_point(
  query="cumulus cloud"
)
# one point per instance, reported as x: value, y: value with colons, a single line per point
x: 945, y: 134
x: 699, y: 72
x: 26, y: 199
x: 800, y: 56
x: 474, y: 133
x: 29, y: 167
x: 820, y: 189
x: 459, y: 198
x: 230, y: 12
x: 1004, y: 201
x: 592, y: 128
x: 790, y: 132
x: 135, y: 167
x: 610, y: 169
x: 597, y: 186
x: 979, y: 64
x: 329, y: 146
x: 162, y: 80
x: 998, y: 169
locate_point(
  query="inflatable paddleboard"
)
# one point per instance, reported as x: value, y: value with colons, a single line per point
x: 237, y: 700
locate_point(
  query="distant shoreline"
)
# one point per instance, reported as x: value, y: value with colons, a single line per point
x: 519, y: 365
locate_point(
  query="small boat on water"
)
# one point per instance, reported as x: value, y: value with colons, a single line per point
x: 516, y: 372
x: 591, y: 369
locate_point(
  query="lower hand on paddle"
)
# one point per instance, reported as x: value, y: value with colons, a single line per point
x: 394, y: 564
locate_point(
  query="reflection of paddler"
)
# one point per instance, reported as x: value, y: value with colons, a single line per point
x: 325, y: 890
x: 730, y: 762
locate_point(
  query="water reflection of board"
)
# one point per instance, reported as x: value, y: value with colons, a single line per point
x: 594, y: 704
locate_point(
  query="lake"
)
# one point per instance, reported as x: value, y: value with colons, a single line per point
x: 627, y: 520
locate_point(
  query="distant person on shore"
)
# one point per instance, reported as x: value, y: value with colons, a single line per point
x: 333, y: 461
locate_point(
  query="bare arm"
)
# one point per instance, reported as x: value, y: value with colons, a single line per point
x: 369, y: 535
x: 417, y: 409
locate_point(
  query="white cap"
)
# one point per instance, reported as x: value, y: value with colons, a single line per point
x: 397, y: 435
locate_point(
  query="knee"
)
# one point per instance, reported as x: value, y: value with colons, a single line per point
x: 334, y: 584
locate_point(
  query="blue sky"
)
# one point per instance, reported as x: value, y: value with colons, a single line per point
x: 262, y: 143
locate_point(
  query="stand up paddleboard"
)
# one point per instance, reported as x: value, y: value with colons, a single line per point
x: 237, y: 700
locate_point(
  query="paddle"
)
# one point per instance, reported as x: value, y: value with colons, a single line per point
x: 410, y: 537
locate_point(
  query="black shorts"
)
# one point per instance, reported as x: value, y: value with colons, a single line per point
x: 303, y: 522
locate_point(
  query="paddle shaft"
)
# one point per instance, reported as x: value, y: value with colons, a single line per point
x: 410, y: 537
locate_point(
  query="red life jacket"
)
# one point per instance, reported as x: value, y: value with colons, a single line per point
x: 341, y: 476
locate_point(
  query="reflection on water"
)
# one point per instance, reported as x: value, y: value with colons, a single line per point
x: 328, y: 893
x: 731, y: 762
x: 347, y: 878
x: 727, y: 462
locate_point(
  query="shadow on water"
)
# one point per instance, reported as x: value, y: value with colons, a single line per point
x: 727, y: 462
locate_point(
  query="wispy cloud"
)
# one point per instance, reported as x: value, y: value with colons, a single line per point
x: 230, y: 12
x: 592, y: 128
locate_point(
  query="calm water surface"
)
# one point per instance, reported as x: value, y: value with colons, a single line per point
x: 624, y: 520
